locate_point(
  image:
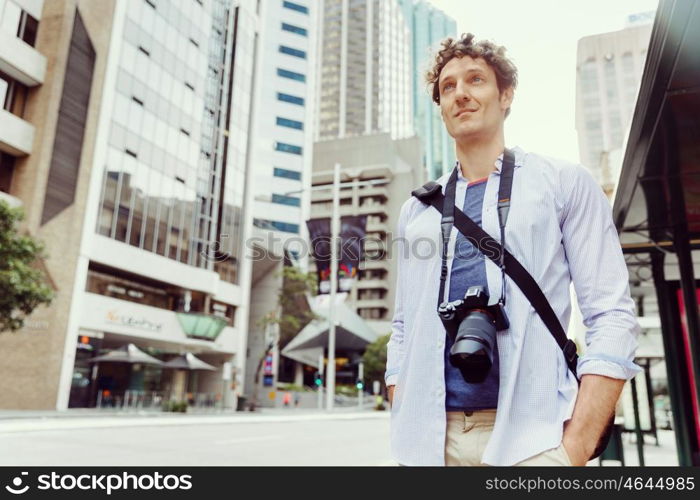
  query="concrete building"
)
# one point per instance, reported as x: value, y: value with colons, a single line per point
x: 609, y: 69
x: 380, y: 158
x: 365, y: 69
x: 281, y: 167
x: 47, y: 137
x: 137, y: 184
x: 429, y: 26
x: 284, y: 127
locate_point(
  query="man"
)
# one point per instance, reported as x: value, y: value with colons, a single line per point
x: 529, y: 410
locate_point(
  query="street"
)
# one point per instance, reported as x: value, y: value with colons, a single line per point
x: 306, y: 441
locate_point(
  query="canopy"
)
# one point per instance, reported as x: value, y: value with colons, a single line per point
x: 128, y: 353
x: 188, y: 361
x: 352, y: 332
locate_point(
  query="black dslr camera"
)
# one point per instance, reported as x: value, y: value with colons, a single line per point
x: 472, y: 324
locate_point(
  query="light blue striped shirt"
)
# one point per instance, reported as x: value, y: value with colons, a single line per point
x: 560, y: 228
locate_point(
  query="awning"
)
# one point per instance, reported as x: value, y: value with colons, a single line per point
x: 188, y: 361
x: 657, y: 209
x: 200, y: 325
x: 128, y: 353
x: 352, y: 333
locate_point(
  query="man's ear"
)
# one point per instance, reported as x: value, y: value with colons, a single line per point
x: 507, y: 98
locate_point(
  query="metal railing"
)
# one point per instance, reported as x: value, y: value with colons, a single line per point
x: 156, y: 401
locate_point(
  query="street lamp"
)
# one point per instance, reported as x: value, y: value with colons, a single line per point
x: 335, y: 230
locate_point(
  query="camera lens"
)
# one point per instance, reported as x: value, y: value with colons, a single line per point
x: 472, y: 352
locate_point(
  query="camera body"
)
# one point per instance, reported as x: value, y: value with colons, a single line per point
x: 472, y: 325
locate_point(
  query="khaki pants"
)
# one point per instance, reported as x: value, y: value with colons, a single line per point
x: 468, y: 433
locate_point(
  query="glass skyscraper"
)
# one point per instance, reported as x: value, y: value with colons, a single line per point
x: 364, y: 70
x: 429, y: 26
x: 174, y: 180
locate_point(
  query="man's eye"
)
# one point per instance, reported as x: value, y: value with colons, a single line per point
x: 477, y: 78
x: 447, y: 86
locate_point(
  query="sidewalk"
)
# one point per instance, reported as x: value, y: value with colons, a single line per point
x: 664, y: 454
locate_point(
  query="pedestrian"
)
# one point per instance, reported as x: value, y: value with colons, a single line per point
x: 297, y: 399
x: 507, y: 393
x: 286, y: 399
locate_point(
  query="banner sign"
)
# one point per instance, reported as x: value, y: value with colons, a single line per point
x: 352, y: 234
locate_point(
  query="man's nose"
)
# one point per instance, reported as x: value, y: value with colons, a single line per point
x: 462, y: 92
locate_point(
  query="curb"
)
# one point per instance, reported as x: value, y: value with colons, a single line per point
x: 9, y: 426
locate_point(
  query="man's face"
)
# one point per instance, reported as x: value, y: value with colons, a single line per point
x: 470, y: 103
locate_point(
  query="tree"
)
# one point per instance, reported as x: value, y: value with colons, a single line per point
x: 291, y: 315
x: 23, y: 286
x: 374, y: 360
x: 294, y: 309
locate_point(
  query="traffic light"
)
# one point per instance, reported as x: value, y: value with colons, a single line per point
x: 318, y: 380
x: 359, y: 384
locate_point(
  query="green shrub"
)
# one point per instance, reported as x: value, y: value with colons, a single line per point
x: 175, y: 406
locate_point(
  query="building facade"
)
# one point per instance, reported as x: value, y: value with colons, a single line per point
x: 429, y: 26
x: 364, y: 69
x: 395, y: 169
x: 51, y: 109
x: 609, y: 68
x: 281, y: 170
x: 149, y: 250
x: 284, y: 126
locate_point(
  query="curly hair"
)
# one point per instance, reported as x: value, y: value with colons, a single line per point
x: 494, y: 55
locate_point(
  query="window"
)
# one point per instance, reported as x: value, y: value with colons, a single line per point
x: 7, y: 167
x: 27, y: 29
x: 286, y: 122
x: 13, y: 95
x: 287, y: 174
x: 291, y: 74
x: 18, y: 23
x: 292, y: 52
x: 294, y: 29
x: 290, y: 98
x: 4, y: 91
x: 295, y: 6
x: 288, y: 148
x: 292, y: 201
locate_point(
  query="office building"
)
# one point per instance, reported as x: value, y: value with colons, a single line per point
x: 137, y: 185
x: 394, y: 167
x: 429, y: 26
x: 365, y: 69
x: 608, y: 71
x: 281, y: 167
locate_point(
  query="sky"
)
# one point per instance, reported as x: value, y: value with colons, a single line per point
x: 541, y: 37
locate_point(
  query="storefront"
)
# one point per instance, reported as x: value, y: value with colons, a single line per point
x: 175, y: 356
x: 657, y: 206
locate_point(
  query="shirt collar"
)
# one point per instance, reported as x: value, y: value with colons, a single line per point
x: 519, y: 162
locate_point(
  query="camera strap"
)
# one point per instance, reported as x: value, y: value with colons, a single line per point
x: 448, y: 218
x: 431, y: 194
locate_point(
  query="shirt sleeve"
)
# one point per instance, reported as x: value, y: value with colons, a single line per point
x: 600, y: 278
x: 395, y: 347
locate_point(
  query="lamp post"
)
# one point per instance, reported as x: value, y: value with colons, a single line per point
x: 335, y: 231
